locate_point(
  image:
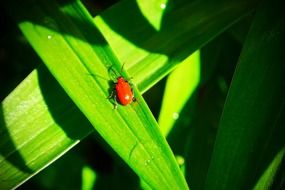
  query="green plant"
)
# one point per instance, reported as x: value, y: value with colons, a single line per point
x: 218, y: 142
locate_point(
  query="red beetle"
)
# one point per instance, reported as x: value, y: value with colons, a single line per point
x: 122, y: 93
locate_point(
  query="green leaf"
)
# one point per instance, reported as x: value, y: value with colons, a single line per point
x: 35, y: 130
x: 179, y: 88
x: 208, y: 108
x: 249, y: 132
x: 267, y: 178
x: 60, y: 35
x: 186, y: 26
x: 88, y: 178
x: 153, y: 11
x: 131, y: 130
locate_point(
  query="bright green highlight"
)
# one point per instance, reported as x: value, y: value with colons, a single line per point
x: 265, y: 181
x: 153, y: 11
x: 180, y: 86
x: 88, y: 178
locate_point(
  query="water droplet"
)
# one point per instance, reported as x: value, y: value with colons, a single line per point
x: 147, y: 162
x: 49, y: 37
x: 162, y: 5
x: 180, y: 160
x: 175, y: 115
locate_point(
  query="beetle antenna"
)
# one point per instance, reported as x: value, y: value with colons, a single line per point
x: 112, y: 73
x: 122, y: 68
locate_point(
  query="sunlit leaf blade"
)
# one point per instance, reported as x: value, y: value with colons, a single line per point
x: 186, y: 26
x: 267, y: 178
x: 152, y: 11
x: 34, y: 132
x: 63, y: 124
x: 67, y: 41
x: 180, y: 85
x: 247, y: 139
x: 88, y: 178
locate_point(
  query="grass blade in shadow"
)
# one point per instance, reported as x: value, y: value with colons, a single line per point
x: 252, y: 110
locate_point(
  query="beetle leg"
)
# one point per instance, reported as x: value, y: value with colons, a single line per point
x: 115, y: 102
x: 111, y: 94
x: 122, y: 67
x: 134, y: 98
x: 114, y: 97
x: 129, y: 81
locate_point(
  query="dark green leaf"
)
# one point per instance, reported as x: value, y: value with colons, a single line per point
x: 245, y: 143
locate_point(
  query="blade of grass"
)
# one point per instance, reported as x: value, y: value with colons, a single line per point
x: 252, y: 108
x: 186, y: 26
x: 271, y: 176
x: 267, y: 178
x: 131, y: 131
x: 30, y: 127
x: 209, y: 105
x: 88, y: 178
x: 57, y: 117
x: 180, y: 85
